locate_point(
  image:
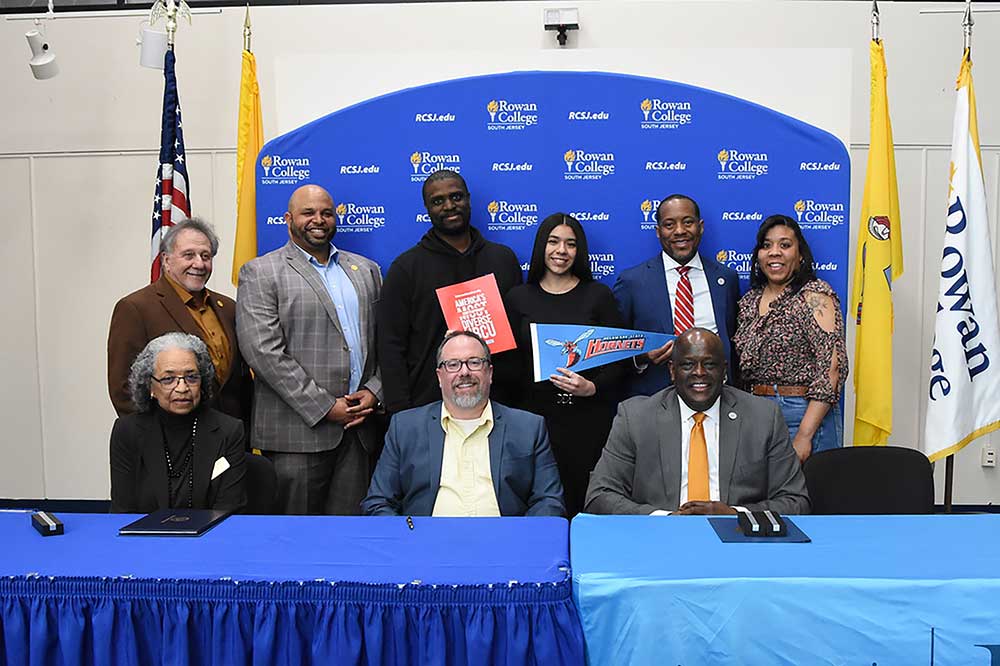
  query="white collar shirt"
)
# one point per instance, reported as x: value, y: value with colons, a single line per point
x: 711, y: 426
x: 704, y: 313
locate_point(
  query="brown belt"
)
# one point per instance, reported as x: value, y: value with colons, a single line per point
x: 772, y: 390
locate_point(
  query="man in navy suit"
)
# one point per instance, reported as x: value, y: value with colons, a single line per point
x: 677, y: 289
x: 465, y: 455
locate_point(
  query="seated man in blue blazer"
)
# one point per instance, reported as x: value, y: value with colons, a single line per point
x: 465, y: 455
x: 677, y: 289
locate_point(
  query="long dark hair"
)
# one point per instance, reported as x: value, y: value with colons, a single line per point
x: 581, y: 264
x: 803, y: 274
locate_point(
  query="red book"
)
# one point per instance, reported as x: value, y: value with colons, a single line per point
x: 476, y: 306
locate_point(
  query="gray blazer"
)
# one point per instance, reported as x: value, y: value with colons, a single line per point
x: 640, y: 467
x: 290, y: 335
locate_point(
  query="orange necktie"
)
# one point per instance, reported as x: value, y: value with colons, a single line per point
x: 698, y: 462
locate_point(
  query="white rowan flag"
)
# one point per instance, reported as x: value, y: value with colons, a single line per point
x: 964, y: 391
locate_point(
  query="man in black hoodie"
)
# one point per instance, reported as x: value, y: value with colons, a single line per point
x: 410, y: 324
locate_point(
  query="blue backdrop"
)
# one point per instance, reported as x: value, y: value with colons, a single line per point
x: 604, y: 147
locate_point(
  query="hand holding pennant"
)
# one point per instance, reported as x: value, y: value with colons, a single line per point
x: 583, y: 347
x: 475, y: 306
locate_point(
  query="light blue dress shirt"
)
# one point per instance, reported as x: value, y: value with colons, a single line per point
x: 345, y: 300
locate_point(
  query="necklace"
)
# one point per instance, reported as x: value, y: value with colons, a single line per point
x: 172, y: 473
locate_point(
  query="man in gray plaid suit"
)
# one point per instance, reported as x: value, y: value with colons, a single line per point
x: 306, y: 326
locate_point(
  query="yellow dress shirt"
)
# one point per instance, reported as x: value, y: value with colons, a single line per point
x: 466, y: 480
x: 214, y: 335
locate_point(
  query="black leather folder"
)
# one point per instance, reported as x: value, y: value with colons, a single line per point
x: 175, y: 522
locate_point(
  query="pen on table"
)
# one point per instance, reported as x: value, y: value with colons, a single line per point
x: 409, y: 522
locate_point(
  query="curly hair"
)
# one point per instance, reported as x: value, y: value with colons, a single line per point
x: 140, y: 377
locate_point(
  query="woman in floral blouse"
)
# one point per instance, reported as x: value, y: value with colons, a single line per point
x: 790, y: 337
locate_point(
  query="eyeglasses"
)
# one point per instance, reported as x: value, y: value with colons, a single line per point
x: 474, y: 364
x: 170, y: 381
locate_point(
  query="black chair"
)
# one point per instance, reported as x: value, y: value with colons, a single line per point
x: 261, y: 485
x: 870, y: 480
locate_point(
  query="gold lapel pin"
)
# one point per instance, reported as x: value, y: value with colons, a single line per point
x: 219, y: 303
x: 354, y: 267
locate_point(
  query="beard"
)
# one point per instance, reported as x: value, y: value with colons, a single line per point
x: 469, y: 399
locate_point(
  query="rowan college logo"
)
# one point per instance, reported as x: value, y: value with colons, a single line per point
x: 415, y: 160
x: 800, y: 207
x: 353, y: 217
x: 283, y: 170
x: 819, y: 214
x: 587, y: 165
x: 723, y: 157
x: 646, y: 107
x: 647, y: 208
x: 738, y: 261
x: 511, y: 215
x: 665, y: 114
x: 569, y: 157
x: 511, y: 115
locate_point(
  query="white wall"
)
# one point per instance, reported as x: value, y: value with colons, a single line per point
x: 77, y: 156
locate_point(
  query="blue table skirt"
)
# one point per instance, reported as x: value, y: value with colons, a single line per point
x: 269, y: 614
x: 120, y: 621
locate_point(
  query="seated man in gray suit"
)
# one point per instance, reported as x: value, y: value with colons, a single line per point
x: 698, y: 447
x: 465, y: 455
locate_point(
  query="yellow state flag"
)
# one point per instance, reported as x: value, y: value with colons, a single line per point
x: 879, y: 261
x: 249, y: 139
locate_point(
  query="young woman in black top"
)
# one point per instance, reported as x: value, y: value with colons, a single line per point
x: 578, y: 408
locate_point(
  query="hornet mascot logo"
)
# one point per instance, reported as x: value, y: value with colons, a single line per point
x: 569, y: 348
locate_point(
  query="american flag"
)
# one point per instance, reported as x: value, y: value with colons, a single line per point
x: 170, y: 198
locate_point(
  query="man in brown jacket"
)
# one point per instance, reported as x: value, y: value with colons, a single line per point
x: 179, y: 301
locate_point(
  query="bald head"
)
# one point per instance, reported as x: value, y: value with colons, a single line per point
x: 306, y: 192
x: 311, y: 220
x: 698, y: 367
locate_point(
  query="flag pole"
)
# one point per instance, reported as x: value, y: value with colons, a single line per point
x: 169, y: 9
x: 247, y: 31
x: 171, y: 23
x: 949, y: 461
x: 967, y: 24
x: 875, y: 21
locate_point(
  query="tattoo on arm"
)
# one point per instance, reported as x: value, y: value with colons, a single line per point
x: 822, y: 306
x: 817, y: 304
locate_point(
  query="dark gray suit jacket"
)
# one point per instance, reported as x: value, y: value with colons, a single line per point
x: 640, y: 468
x: 408, y: 474
x: 291, y: 336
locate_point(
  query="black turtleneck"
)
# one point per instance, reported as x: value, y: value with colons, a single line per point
x: 178, y: 437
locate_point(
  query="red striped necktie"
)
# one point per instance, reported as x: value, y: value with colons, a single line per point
x: 683, y: 302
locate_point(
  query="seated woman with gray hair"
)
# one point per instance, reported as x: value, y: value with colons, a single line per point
x: 175, y: 451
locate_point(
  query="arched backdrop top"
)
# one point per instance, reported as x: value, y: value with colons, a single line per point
x: 602, y: 147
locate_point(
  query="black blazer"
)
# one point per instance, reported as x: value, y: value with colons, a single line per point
x: 139, y: 468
